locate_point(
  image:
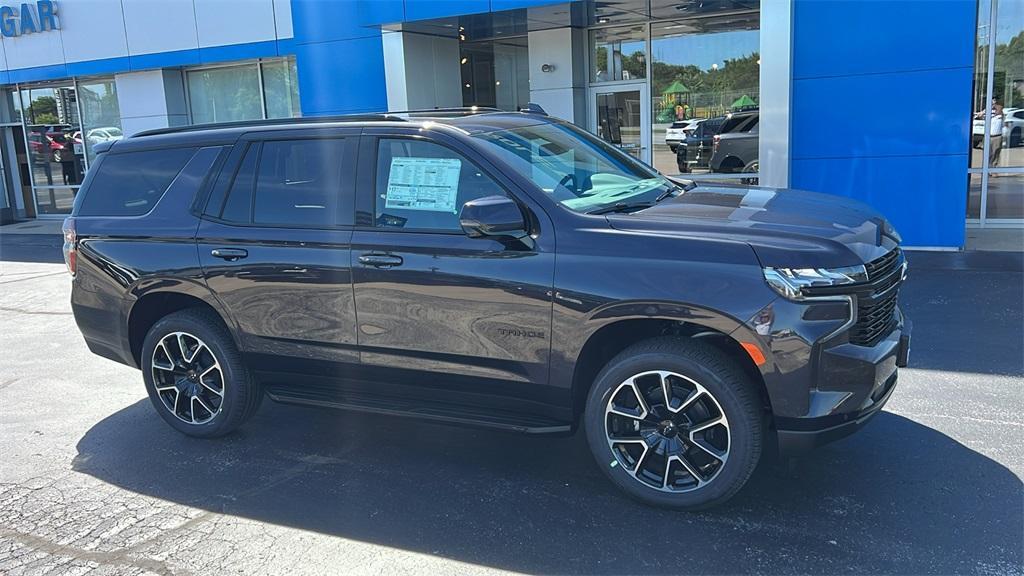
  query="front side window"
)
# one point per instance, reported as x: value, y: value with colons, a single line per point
x: 422, y: 185
x: 578, y: 170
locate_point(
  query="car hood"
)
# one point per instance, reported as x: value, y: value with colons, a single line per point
x: 786, y: 228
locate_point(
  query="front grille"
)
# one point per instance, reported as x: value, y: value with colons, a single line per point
x: 876, y: 301
x: 876, y: 298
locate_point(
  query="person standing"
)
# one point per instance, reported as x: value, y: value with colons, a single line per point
x: 995, y: 134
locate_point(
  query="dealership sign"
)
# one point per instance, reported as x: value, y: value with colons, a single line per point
x: 28, y: 18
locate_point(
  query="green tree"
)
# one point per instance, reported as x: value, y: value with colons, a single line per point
x: 43, y: 110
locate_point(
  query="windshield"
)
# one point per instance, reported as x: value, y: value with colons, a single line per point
x: 577, y: 169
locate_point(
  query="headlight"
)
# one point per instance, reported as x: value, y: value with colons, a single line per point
x: 790, y: 282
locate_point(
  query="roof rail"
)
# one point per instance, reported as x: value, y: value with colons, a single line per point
x: 272, y: 122
x: 395, y: 116
x: 451, y: 111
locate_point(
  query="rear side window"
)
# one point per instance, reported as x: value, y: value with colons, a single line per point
x: 130, y: 184
x: 301, y: 183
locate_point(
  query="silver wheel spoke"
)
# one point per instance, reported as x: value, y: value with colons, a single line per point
x: 693, y: 471
x: 704, y: 426
x: 211, y: 388
x: 166, y: 367
x: 640, y: 461
x: 636, y: 394
x: 716, y: 454
x: 691, y: 399
x: 203, y: 404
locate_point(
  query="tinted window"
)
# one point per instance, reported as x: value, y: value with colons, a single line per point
x: 238, y: 206
x: 423, y: 185
x: 131, y: 184
x: 301, y: 182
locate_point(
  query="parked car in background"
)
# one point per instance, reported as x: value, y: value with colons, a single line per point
x: 695, y: 150
x: 734, y: 150
x: 48, y: 142
x: 105, y: 134
x: 678, y: 131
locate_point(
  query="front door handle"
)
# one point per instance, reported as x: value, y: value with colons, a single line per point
x: 229, y: 254
x: 380, y: 260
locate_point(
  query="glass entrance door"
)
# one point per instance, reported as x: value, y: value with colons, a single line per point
x: 621, y: 115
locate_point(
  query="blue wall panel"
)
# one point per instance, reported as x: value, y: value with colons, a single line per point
x: 868, y: 36
x: 341, y: 76
x: 890, y: 114
x: 881, y: 108
x: 924, y: 196
x: 340, y: 61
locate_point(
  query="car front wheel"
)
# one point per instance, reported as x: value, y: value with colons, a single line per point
x: 194, y: 375
x: 674, y: 422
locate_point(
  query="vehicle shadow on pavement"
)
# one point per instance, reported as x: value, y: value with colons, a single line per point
x: 897, y: 497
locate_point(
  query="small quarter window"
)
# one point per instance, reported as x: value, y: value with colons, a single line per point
x: 131, y: 184
x: 238, y: 205
x: 423, y: 185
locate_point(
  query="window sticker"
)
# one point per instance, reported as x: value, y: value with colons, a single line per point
x: 423, y: 184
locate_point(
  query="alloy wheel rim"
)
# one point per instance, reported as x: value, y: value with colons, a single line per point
x: 667, y: 431
x: 188, y: 378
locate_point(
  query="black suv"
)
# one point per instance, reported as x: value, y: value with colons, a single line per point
x: 734, y: 149
x: 488, y: 268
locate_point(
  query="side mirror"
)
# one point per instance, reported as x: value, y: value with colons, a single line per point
x: 496, y: 216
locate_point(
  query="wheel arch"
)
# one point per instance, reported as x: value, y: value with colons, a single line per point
x: 157, y: 299
x: 613, y: 337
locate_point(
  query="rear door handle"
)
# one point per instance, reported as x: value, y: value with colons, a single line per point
x: 380, y: 260
x: 229, y: 254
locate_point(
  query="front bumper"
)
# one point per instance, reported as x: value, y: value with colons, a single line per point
x: 796, y: 442
x: 849, y: 385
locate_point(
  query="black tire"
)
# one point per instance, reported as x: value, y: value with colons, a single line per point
x: 241, y: 396
x: 728, y: 386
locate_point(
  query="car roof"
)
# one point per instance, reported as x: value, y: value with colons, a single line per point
x: 465, y: 120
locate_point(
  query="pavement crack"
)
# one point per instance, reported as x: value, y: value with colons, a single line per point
x: 113, y: 558
x: 34, y: 312
x: 33, y: 277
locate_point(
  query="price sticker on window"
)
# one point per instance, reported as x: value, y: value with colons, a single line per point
x: 423, y: 184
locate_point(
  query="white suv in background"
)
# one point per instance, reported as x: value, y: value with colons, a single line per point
x: 679, y: 130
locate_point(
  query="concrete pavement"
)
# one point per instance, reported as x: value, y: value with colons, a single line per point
x: 93, y: 482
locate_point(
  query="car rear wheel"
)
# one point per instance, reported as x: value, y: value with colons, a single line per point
x: 195, y: 377
x: 674, y: 422
x: 751, y: 168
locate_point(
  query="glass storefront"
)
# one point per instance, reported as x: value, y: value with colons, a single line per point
x: 995, y: 193
x: 61, y: 122
x: 54, y: 162
x: 698, y: 67
x: 250, y: 91
x: 496, y: 73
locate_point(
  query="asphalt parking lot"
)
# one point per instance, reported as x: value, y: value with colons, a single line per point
x: 92, y: 481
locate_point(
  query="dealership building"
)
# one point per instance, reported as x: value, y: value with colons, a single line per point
x: 916, y: 108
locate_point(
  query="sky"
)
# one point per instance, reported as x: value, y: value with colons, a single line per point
x: 704, y: 50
